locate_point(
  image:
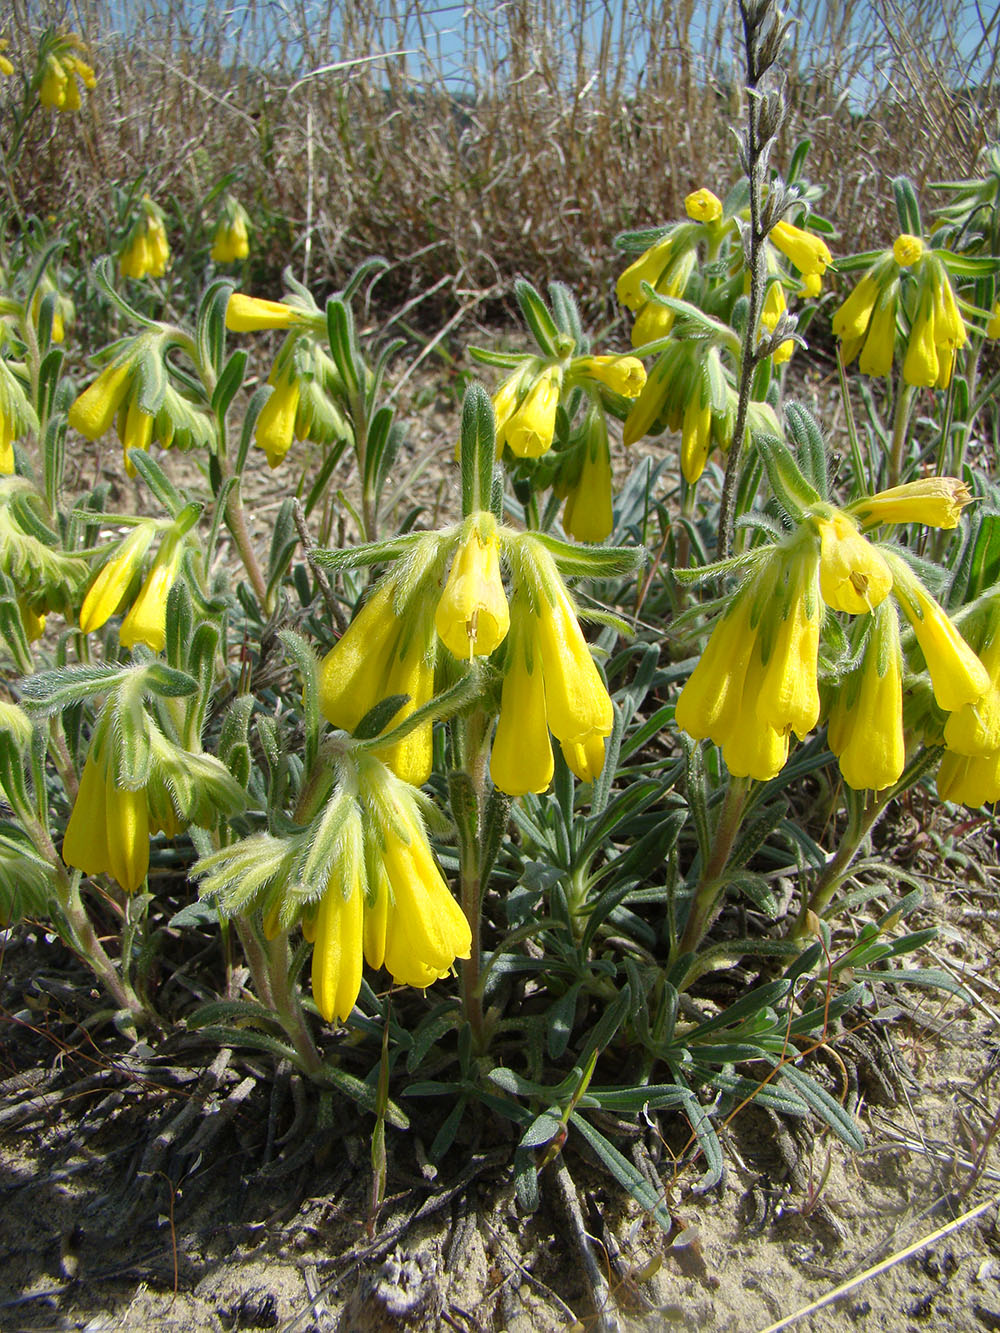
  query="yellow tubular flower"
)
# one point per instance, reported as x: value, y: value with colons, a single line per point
x: 866, y: 732
x: 138, y: 432
x: 854, y: 576
x: 134, y: 261
x: 851, y: 320
x: 521, y: 761
x: 993, y: 326
x: 653, y: 321
x: 788, y: 697
x: 52, y: 93
x: 425, y: 930
x: 337, y: 933
x: 920, y: 364
x: 696, y: 437
x: 577, y: 704
x: 248, y: 314
x: 935, y: 501
x: 624, y: 374
x: 647, y: 268
x: 472, y: 617
x: 709, y: 703
x: 108, y: 829
x: 146, y: 622
x: 529, y: 430
x: 703, y: 206
x: 585, y: 757
x: 85, y: 844
x: 969, y: 781
x: 411, y: 673
x: 94, y: 410
x: 112, y: 582
x: 231, y: 242
x: 974, y: 729
x: 275, y: 428
x: 907, y: 249
x: 32, y: 621
x: 956, y: 673
x: 158, y: 248
x: 6, y: 68
x: 588, y: 515
x: 808, y: 252
x: 351, y: 674
x: 7, y: 431
x: 880, y: 343
x: 756, y: 752
x: 812, y: 284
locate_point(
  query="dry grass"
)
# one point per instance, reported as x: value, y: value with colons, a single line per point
x: 495, y: 139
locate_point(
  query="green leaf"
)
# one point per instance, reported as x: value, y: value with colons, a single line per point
x: 537, y: 317
x: 230, y: 382
x: 624, y: 1172
x: 157, y: 481
x: 826, y: 1107
x: 210, y: 330
x: 50, y: 691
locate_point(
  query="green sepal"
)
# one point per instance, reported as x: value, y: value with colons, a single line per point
x: 12, y: 635
x: 968, y: 266
x: 702, y: 324
x: 795, y: 495
x: 180, y: 618
x: 478, y: 450
x: 808, y: 440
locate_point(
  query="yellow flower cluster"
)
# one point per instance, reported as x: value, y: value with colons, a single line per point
x: 866, y: 323
x: 385, y: 902
x: 550, y: 681
x: 231, y: 242
x: 756, y: 682
x: 146, y: 252
x: 6, y: 68
x: 146, y: 619
x: 62, y: 72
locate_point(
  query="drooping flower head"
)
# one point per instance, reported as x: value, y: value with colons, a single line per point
x: 146, y: 250
x: 231, y: 242
x: 61, y: 71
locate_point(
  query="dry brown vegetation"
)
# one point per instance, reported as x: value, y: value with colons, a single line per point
x: 468, y: 144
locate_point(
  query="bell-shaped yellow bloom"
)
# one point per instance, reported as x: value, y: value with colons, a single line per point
x: 993, y: 324
x: 880, y: 343
x: 808, y: 252
x: 114, y: 577
x: 710, y: 702
x: 55, y: 81
x: 935, y: 501
x: 577, y: 703
x: 411, y: 672
x: 94, y: 410
x: 624, y: 374
x: 907, y: 249
x: 585, y: 757
x: 788, y: 648
x: 158, y: 248
x: 920, y: 364
x: 352, y: 672
x: 136, y: 433
x: 969, y: 781
x: 956, y: 673
x: 852, y: 319
x: 32, y: 621
x: 337, y: 933
x: 250, y: 314
x: 6, y: 68
x: 854, y: 576
x: 696, y: 437
x: 865, y: 730
x: 108, y: 829
x: 275, y: 427
x: 588, y: 515
x: 425, y: 930
x: 529, y: 430
x: 703, y: 206
x: 231, y: 242
x: 974, y: 729
x: 649, y: 267
x: 521, y: 761
x: 134, y: 261
x: 146, y: 622
x: 473, y: 617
